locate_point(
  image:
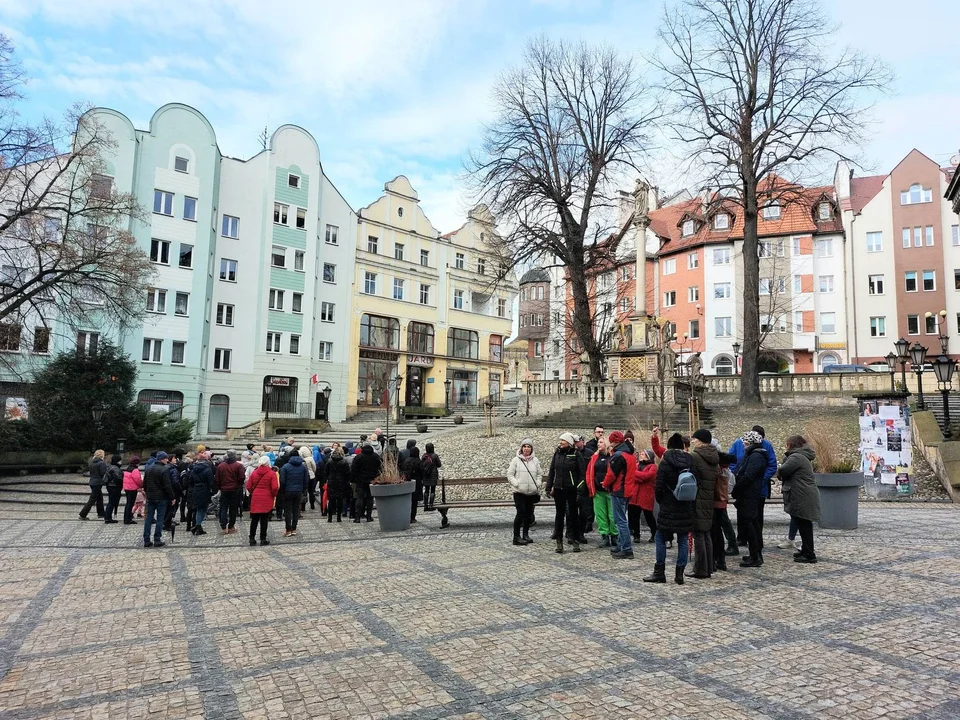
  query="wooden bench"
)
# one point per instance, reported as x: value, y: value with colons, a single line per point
x: 444, y: 505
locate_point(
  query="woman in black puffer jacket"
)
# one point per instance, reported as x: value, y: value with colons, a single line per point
x: 674, y: 516
x: 748, y: 493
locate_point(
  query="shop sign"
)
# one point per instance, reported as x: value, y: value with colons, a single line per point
x: 280, y: 381
x: 420, y: 360
x: 379, y: 355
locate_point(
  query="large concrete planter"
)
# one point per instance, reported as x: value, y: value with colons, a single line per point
x: 839, y: 499
x: 393, y: 505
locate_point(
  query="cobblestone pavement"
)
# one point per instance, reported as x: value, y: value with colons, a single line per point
x: 342, y: 622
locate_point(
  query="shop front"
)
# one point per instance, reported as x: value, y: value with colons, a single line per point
x: 418, y: 370
x: 463, y: 389
x: 281, y: 397
x: 377, y: 368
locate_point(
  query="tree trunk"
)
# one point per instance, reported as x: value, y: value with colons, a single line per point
x: 750, y: 373
x: 581, y: 320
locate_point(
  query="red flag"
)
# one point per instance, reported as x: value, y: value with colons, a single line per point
x: 314, y: 379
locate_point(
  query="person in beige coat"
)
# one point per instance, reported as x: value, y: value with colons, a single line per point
x: 307, y: 454
x: 524, y: 476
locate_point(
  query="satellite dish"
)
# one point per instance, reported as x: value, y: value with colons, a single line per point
x: 955, y: 161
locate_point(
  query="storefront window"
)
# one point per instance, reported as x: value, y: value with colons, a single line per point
x: 464, y: 389
x: 496, y: 348
x: 463, y: 344
x: 373, y: 382
x: 420, y: 338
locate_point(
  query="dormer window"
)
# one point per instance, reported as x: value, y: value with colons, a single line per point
x: 915, y: 195
x: 771, y: 211
x: 181, y: 164
x: 687, y: 228
x: 823, y: 211
x: 721, y: 221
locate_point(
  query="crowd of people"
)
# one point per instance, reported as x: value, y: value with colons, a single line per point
x: 188, y: 486
x: 681, y: 491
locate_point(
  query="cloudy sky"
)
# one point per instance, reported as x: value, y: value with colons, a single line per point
x: 390, y: 87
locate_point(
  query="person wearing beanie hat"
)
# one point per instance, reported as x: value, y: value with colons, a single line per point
x: 336, y: 478
x: 675, y: 516
x: 159, y: 491
x: 524, y: 476
x: 748, y: 494
x: 621, y: 482
x: 642, y: 501
x: 706, y: 468
x: 566, y: 476
x: 704, y: 436
x: 738, y: 450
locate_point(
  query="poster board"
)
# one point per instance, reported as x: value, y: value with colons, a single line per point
x: 886, y: 447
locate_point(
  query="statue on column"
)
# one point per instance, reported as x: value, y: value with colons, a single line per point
x: 641, y: 206
x: 696, y: 370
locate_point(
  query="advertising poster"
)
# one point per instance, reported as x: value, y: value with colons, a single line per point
x: 886, y: 447
x: 15, y: 408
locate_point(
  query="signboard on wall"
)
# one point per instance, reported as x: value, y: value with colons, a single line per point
x: 280, y: 382
x: 886, y: 447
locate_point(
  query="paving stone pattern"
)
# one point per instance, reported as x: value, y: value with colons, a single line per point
x: 344, y: 622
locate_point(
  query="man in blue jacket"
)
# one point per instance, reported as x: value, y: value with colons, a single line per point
x: 294, y: 482
x: 737, y: 450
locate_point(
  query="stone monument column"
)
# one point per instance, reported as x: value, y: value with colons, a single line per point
x: 641, y: 221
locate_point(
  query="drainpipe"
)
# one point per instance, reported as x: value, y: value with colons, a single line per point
x: 855, y: 359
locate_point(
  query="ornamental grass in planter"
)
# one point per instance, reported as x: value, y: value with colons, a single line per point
x: 392, y: 494
x: 838, y: 478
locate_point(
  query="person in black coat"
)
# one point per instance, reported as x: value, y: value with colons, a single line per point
x: 748, y: 494
x: 412, y: 470
x: 201, y: 486
x: 363, y: 470
x: 567, y: 475
x: 674, y: 516
x: 336, y: 475
x: 98, y: 477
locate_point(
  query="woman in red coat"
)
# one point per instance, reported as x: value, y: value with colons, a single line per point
x: 641, y: 500
x: 263, y: 486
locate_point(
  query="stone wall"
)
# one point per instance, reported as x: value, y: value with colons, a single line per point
x: 943, y: 455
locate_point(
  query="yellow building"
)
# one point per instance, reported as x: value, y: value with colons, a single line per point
x: 427, y: 307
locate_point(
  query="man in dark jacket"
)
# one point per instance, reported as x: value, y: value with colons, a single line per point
x: 113, y: 482
x: 591, y: 444
x: 584, y: 501
x: 159, y: 492
x: 738, y: 449
x: 675, y: 516
x: 336, y: 474
x: 405, y: 453
x: 294, y: 482
x: 619, y: 480
x: 201, y: 486
x: 230, y: 476
x: 98, y: 477
x: 706, y: 466
x: 567, y: 475
x: 748, y: 493
x: 412, y: 470
x: 363, y: 470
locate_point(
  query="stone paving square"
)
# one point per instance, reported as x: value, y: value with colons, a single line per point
x: 116, y: 601
x: 449, y: 615
x: 184, y: 704
x: 392, y: 587
x: 234, y: 611
x: 931, y: 642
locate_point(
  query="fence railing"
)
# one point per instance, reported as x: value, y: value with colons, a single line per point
x: 290, y: 409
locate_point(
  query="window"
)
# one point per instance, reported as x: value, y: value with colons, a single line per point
x: 181, y: 164
x: 721, y: 221
x: 765, y: 286
x: 424, y: 294
x: 824, y: 211
x: 230, y: 227
x: 687, y: 229
x: 626, y: 273
x: 327, y: 311
x: 278, y: 256
x: 928, y: 235
x: 52, y: 227
x: 874, y: 242
x: 181, y: 304
x: 156, y: 300
x: 398, y: 251
x: 273, y: 342
x: 221, y: 359
x: 771, y: 211
x: 917, y: 237
x: 796, y: 246
x: 463, y: 344
x: 458, y: 299
x: 160, y: 252
x: 399, y: 212
x: 875, y: 284
x: 910, y: 281
x: 186, y: 255
x: 669, y: 266
x: 501, y: 307
x: 670, y: 298
x: 693, y: 294
x: 913, y: 324
x: 797, y: 284
x: 326, y: 351
x: 798, y: 321
x: 41, y: 340
x: 929, y: 280
x: 190, y: 208
x: 765, y: 249
x: 330, y: 236
x: 694, y: 329
x: 87, y: 343
x: 539, y: 292
x: 625, y: 305
x: 379, y: 332
x: 826, y: 283
x: 723, y: 327
x: 956, y: 279
x: 496, y: 348
x: 228, y: 270
x: 916, y: 194
x: 906, y: 237
x: 482, y: 268
x: 425, y: 258
x: 767, y: 324
x: 828, y: 322
x: 825, y: 247
x: 459, y: 261
x: 538, y: 348
x: 224, y: 314
x: 329, y: 273
x: 955, y: 235
x: 420, y: 338
x: 294, y: 344
x: 723, y: 365
x: 721, y: 291
x: 931, y: 324
x: 298, y: 256
x: 276, y: 299
x: 10, y: 338
x: 558, y: 292
x: 693, y: 261
x: 293, y: 181
x: 878, y: 327
x: 178, y: 353
x: 372, y: 244
x: 301, y: 219
x: 370, y: 283
x: 397, y: 289
x: 151, y: 350
x: 280, y: 213
x: 721, y: 256
x: 163, y: 202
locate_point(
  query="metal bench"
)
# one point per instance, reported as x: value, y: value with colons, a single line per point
x: 444, y: 505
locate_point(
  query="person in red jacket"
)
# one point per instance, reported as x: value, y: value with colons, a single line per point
x: 642, y: 501
x: 263, y: 486
x: 621, y: 483
x: 658, y: 449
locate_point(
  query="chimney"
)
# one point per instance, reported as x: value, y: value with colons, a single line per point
x: 624, y: 209
x: 851, y: 173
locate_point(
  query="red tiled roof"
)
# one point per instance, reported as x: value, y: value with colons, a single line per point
x: 863, y: 190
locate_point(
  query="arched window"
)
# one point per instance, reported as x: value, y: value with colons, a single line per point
x: 379, y: 332
x: 420, y: 338
x: 723, y: 364
x: 828, y: 359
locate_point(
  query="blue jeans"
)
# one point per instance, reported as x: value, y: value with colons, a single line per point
x: 792, y: 533
x: 156, y: 512
x: 682, y: 549
x: 201, y: 515
x: 624, y: 541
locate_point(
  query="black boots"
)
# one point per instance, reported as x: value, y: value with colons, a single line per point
x: 526, y: 539
x: 749, y: 562
x: 606, y: 541
x: 559, y: 549
x: 678, y: 575
x: 517, y: 541
x: 658, y: 575
x: 576, y: 546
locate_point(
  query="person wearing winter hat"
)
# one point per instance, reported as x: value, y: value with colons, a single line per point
x: 336, y: 472
x: 675, y: 516
x: 566, y: 476
x: 706, y: 465
x: 159, y: 491
x: 524, y: 476
x: 641, y: 503
x: 748, y: 493
x: 602, y: 502
x: 621, y: 481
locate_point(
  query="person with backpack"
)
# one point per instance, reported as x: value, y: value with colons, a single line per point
x: 621, y: 481
x: 524, y: 476
x: 132, y: 484
x: 201, y: 488
x: 706, y: 467
x: 413, y: 471
x: 675, y: 490
x: 229, y: 476
x: 430, y: 470
x: 263, y: 487
x: 721, y: 521
x: 566, y: 476
x: 739, y: 451
x: 113, y: 482
x: 336, y: 473
x: 748, y: 493
x: 602, y: 502
x: 294, y: 483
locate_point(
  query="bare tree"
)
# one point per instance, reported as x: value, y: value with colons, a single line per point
x: 67, y: 253
x: 569, y: 123
x: 758, y: 88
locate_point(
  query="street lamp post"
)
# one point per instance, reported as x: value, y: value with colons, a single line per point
x: 267, y: 390
x: 903, y: 354
x: 892, y: 366
x: 446, y: 397
x: 736, y: 355
x: 97, y: 412
x: 918, y: 355
x: 943, y: 368
x: 327, y: 392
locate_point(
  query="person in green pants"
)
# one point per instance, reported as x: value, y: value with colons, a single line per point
x: 602, y: 503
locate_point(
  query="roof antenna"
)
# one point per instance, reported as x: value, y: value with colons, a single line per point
x: 262, y: 137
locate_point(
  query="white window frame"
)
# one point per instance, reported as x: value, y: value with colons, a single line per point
x: 721, y: 221
x: 398, y: 288
x: 772, y: 211
x: 281, y: 213
x: 916, y: 281
x: 222, y: 359
x: 693, y: 260
x: 188, y: 266
x: 325, y: 351
x: 482, y: 266
x: 878, y: 326
x: 230, y: 227
x: 905, y: 237
x: 187, y: 198
x: 183, y: 352
x: 693, y: 329
x: 915, y: 318
x: 875, y: 285
x: 687, y: 228
x: 398, y: 249
x: 824, y: 247
x: 721, y: 256
x: 458, y: 299
x: 928, y: 235
x: 163, y: 202
x: 293, y: 180
x: 725, y: 289
x: 301, y: 219
x: 333, y: 273
x: 923, y: 280
x: 369, y: 283
x: 328, y: 312
x: 331, y: 235
x: 176, y: 297
x: 460, y: 261
x: 669, y: 266
x: 186, y: 164
x: 693, y: 293
x: 373, y: 244
x: 274, y: 254
x: 875, y: 241
x: 225, y: 270
x: 424, y: 294
x: 275, y: 299
x: 299, y: 261
x: 669, y: 298
x: 833, y: 324
x: 501, y: 307
x: 294, y: 344
x: 225, y: 311
x: 825, y: 281
x: 162, y: 256
x: 955, y: 235
x: 824, y: 211
x: 156, y: 301
x: 295, y: 301
x: 425, y: 258
x: 274, y: 342
x: 723, y: 327
x: 153, y: 350
x: 917, y: 236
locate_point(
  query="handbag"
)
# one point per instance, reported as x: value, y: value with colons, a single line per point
x: 537, y: 497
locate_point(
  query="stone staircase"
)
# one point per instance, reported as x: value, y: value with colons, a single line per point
x: 618, y: 417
